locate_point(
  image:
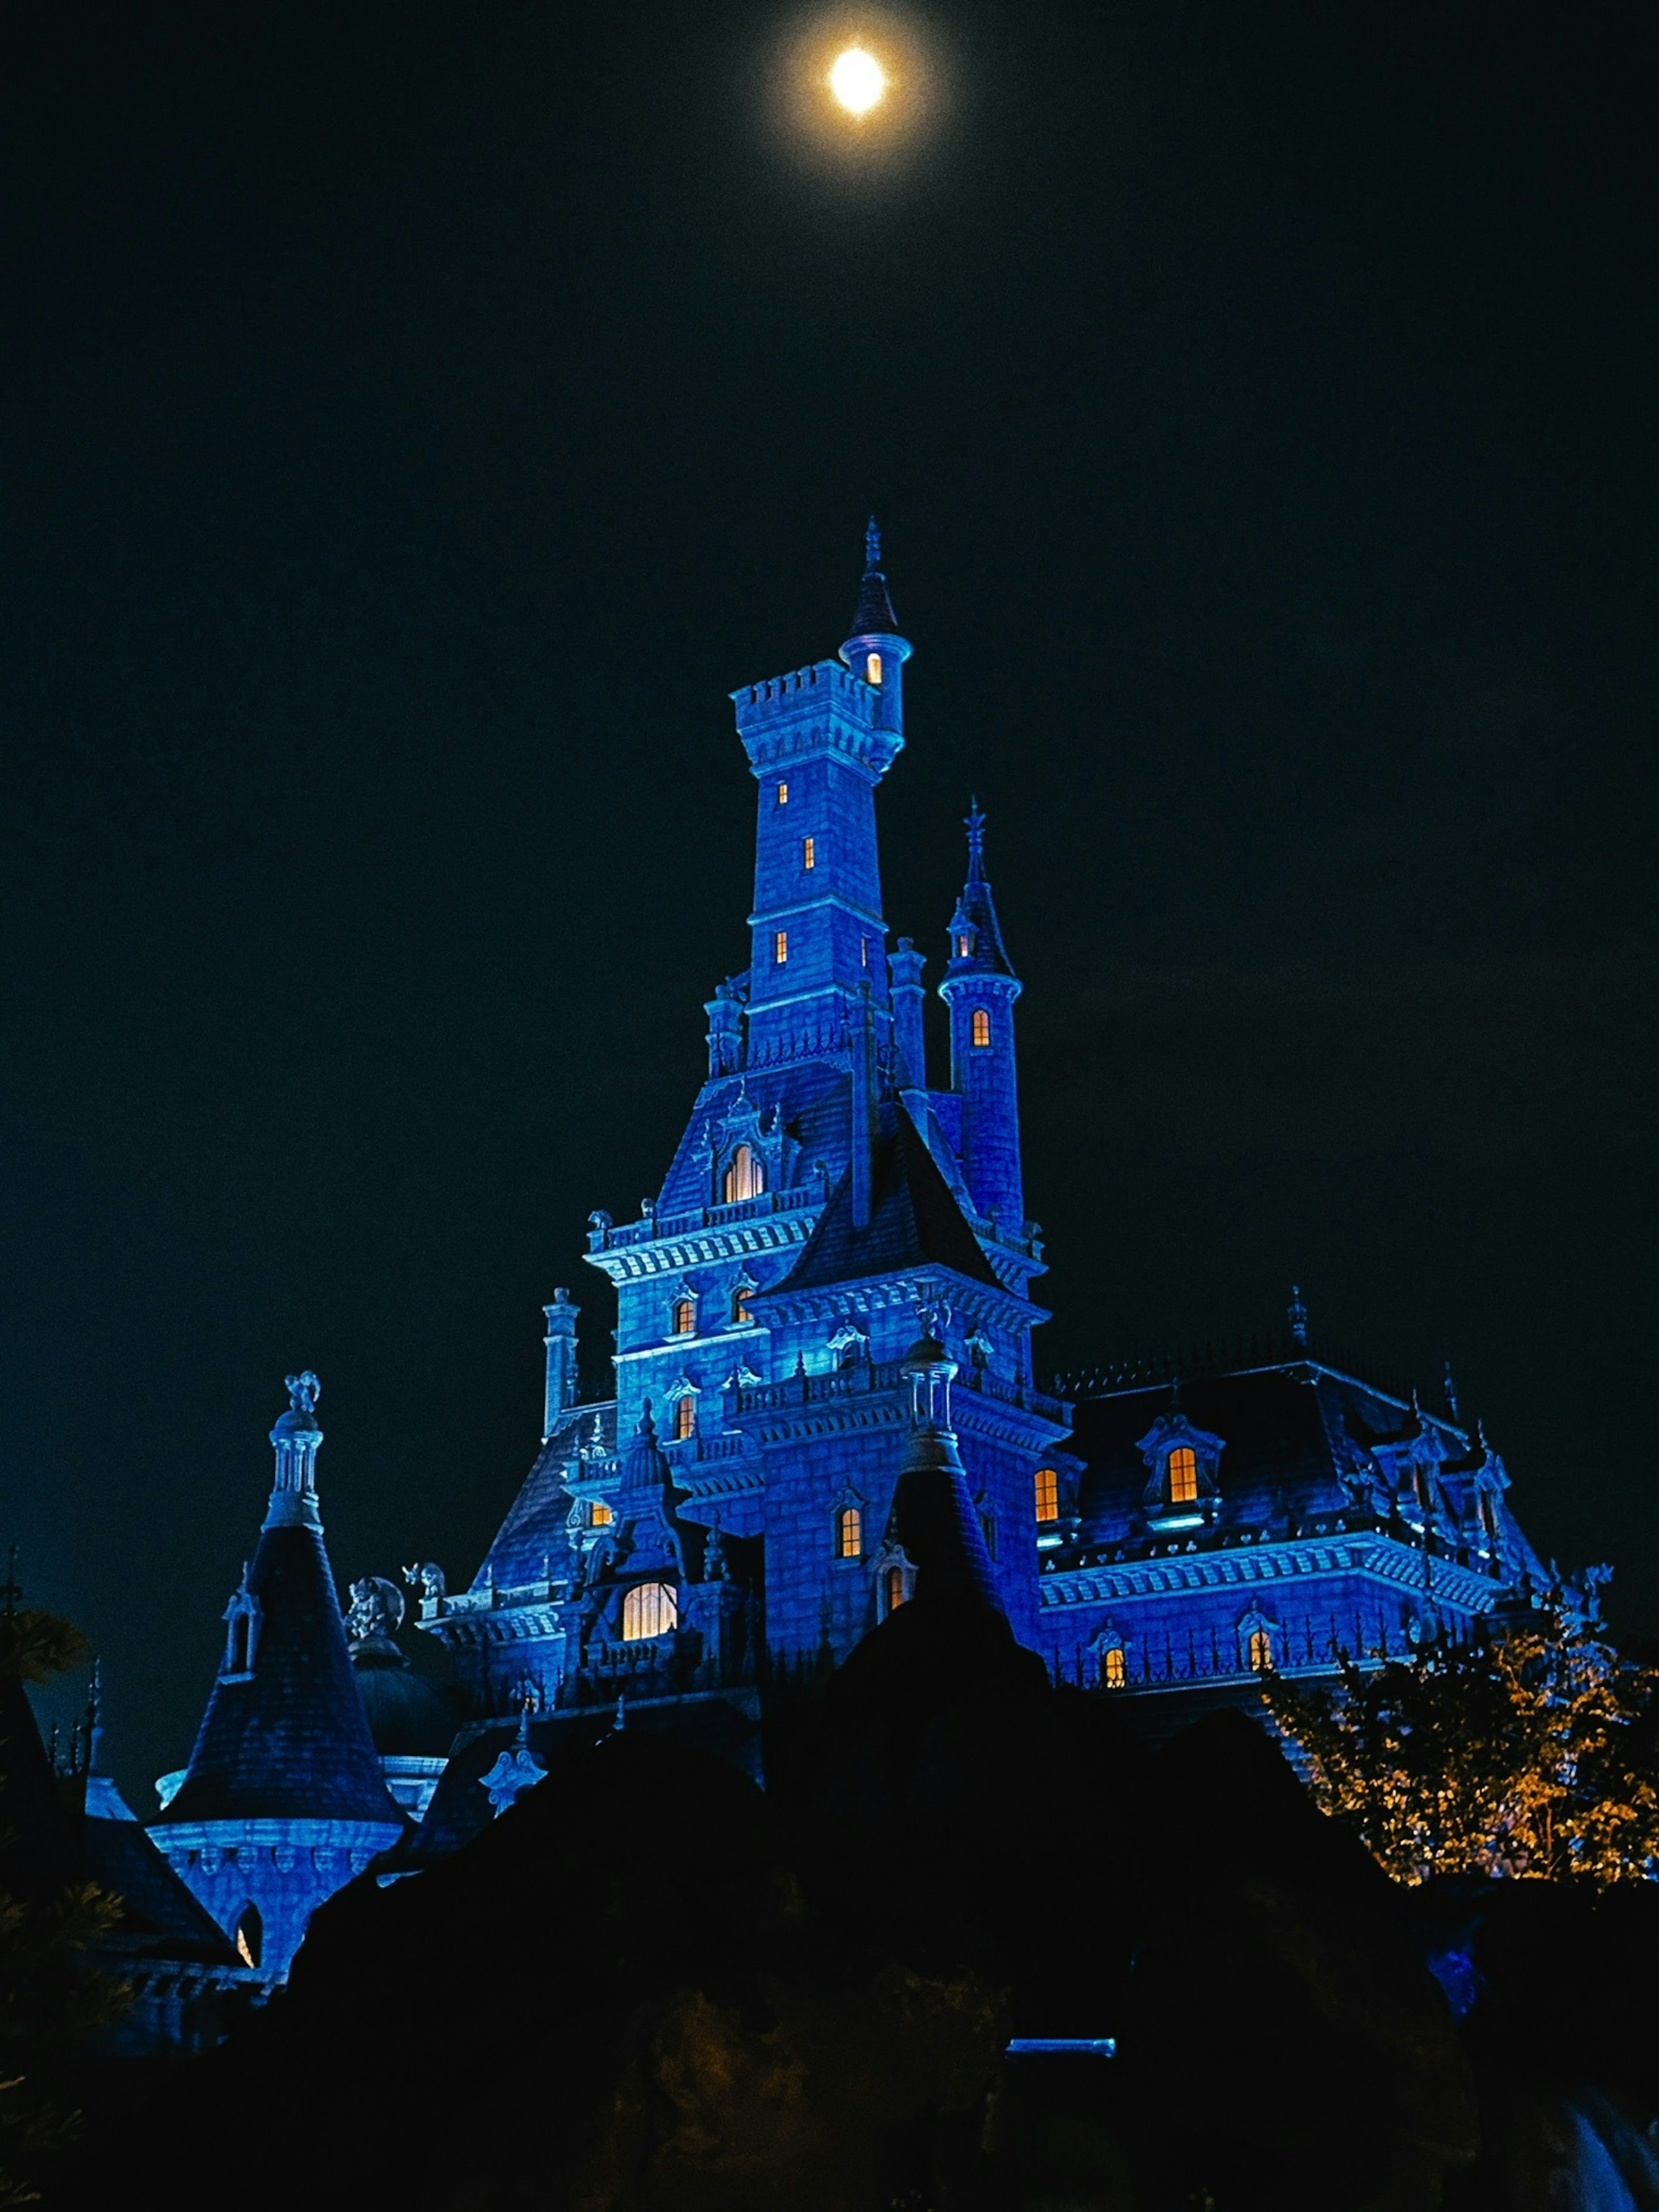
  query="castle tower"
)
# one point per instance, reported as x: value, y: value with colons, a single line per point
x: 819, y: 741
x: 284, y: 1801
x: 980, y: 987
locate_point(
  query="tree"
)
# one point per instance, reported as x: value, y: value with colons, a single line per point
x: 1535, y: 1753
x: 51, y: 1998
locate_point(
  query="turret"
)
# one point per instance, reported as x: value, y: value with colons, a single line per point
x: 875, y: 651
x: 933, y: 1516
x: 980, y: 987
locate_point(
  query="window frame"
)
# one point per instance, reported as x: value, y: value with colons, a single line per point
x: 979, y: 1028
x: 634, y: 1608
x: 1046, y: 1492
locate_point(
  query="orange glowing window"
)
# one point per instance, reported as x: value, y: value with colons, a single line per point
x: 809, y: 852
x: 685, y: 1417
x: 745, y: 1175
x: 599, y: 1515
x: 1114, y: 1668
x: 648, y: 1609
x: 1048, y: 1494
x: 849, y: 1533
x: 893, y: 1588
x: 872, y: 667
x: 742, y: 1312
x: 962, y: 943
x: 981, y: 1026
x: 779, y: 948
x: 1262, y: 1650
x: 684, y: 1319
x: 1183, y: 1475
x: 783, y: 794
x: 250, y: 1936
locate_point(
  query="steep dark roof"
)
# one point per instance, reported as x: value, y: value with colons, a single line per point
x: 534, y: 1531
x: 977, y: 914
x: 915, y: 1221
x: 874, y: 617
x: 290, y: 1740
x: 934, y: 1520
x: 37, y: 1826
x: 162, y: 1918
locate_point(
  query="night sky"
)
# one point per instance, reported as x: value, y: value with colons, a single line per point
x: 417, y: 419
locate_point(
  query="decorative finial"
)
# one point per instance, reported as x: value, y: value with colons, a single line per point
x: 973, y: 821
x: 1451, y: 1392
x: 96, y: 1719
x: 303, y: 1392
x: 872, y: 548
x: 620, y: 1724
x: 11, y: 1590
x: 1298, y: 1317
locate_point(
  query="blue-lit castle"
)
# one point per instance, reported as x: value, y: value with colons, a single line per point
x: 720, y: 1528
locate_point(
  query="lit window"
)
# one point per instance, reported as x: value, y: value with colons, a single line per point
x: 742, y: 1312
x: 599, y: 1515
x: 745, y: 1175
x: 783, y: 794
x: 1183, y: 1475
x: 1262, y: 1650
x: 648, y: 1610
x: 893, y: 1588
x: 1113, y: 1669
x: 981, y: 1026
x: 250, y: 1936
x: 962, y: 943
x: 1048, y: 1494
x: 685, y: 1417
x: 684, y: 1321
x: 779, y: 948
x: 849, y: 1533
x: 809, y: 851
x: 873, y: 668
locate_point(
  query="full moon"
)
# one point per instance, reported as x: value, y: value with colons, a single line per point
x: 857, y: 81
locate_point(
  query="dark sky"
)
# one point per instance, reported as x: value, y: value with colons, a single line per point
x: 415, y: 419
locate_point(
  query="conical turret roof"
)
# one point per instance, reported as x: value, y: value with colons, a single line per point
x: 975, y: 922
x: 873, y: 616
x: 285, y: 1735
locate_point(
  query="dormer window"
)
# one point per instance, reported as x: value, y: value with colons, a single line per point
x: 965, y: 943
x: 1048, y: 1494
x: 809, y: 852
x: 981, y: 1026
x: 779, y: 948
x: 1261, y: 1651
x: 682, y: 1317
x: 1183, y: 1475
x: 599, y: 1515
x: 743, y: 1313
x: 745, y: 1175
x: 685, y: 1417
x: 783, y: 794
x: 849, y: 1533
x: 1114, y: 1668
x: 893, y: 1589
x: 649, y: 1609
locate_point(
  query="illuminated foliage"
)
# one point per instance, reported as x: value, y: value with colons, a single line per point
x: 1534, y: 1754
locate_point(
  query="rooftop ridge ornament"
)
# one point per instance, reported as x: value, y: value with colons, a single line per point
x: 973, y: 823
x: 1297, y: 1314
x: 872, y: 548
x: 296, y: 1435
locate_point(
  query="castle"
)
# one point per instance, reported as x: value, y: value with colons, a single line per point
x: 721, y: 1524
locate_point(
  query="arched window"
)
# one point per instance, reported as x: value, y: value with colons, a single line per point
x: 682, y: 1318
x: 1262, y: 1650
x: 872, y: 667
x: 849, y: 1533
x: 1048, y: 1494
x: 745, y: 1175
x: 864, y: 952
x: 981, y: 1029
x: 685, y: 1417
x: 780, y: 948
x: 1183, y: 1475
x: 743, y: 1313
x: 1114, y: 1668
x: 599, y: 1515
x: 893, y: 1589
x: 648, y: 1610
x: 250, y: 1935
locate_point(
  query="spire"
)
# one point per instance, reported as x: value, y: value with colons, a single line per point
x: 874, y: 617
x: 976, y: 946
x: 285, y: 1735
x: 1297, y: 1314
